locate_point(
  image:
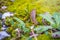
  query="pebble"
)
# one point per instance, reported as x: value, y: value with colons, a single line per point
x: 4, y: 28
x: 3, y: 34
x: 7, y: 14
x: 0, y: 15
x: 56, y: 34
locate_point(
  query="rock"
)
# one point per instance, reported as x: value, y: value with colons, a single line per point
x: 7, y: 14
x: 3, y: 22
x: 3, y: 34
x: 4, y: 28
x: 56, y: 34
x: 0, y: 15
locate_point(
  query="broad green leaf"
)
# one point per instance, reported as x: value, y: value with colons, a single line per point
x: 47, y: 17
x: 41, y: 29
x: 56, y: 17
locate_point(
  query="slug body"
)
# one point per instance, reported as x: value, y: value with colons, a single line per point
x: 33, y: 17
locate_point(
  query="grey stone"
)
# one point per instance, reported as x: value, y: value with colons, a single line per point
x: 3, y: 34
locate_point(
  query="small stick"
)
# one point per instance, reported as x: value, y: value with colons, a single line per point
x: 33, y: 34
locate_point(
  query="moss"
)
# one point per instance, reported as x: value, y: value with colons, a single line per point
x: 22, y: 9
x: 46, y: 37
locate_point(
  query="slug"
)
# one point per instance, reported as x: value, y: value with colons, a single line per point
x: 33, y: 17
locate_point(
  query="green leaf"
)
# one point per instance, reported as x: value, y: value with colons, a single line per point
x: 47, y: 17
x: 20, y: 21
x: 41, y: 29
x: 30, y: 38
x: 21, y: 24
x: 46, y: 32
x: 12, y: 22
x: 56, y: 17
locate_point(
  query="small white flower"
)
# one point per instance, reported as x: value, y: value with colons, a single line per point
x: 3, y: 7
x: 32, y: 27
x: 16, y: 29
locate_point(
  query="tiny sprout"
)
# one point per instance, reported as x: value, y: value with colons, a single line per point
x: 18, y: 32
x: 32, y: 32
x: 32, y: 27
x: 16, y: 29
